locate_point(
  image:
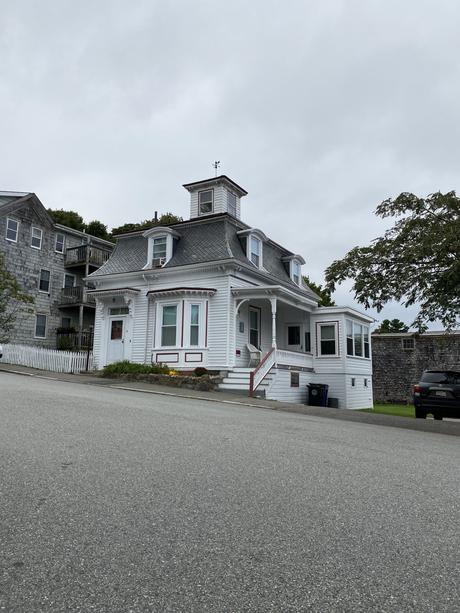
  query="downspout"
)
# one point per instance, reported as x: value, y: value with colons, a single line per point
x: 147, y: 318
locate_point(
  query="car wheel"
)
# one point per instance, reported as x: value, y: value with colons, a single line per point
x: 419, y: 413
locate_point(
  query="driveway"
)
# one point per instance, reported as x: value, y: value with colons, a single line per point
x: 116, y: 501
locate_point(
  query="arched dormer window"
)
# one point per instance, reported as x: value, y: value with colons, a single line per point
x: 253, y: 240
x: 294, y: 268
x: 160, y: 247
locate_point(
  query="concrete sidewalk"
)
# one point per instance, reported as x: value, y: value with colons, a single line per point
x: 424, y: 425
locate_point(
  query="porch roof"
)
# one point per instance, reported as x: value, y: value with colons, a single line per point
x: 274, y: 291
x: 109, y: 293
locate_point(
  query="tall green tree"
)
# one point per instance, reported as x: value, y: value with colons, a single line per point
x: 12, y: 300
x: 322, y: 292
x: 416, y: 261
x: 98, y: 229
x: 71, y: 219
x: 165, y: 219
x: 394, y: 325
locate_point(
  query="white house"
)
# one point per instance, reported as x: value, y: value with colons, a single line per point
x: 210, y: 290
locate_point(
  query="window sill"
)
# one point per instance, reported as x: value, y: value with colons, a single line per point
x: 357, y: 357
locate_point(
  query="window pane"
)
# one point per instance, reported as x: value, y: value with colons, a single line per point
x: 194, y: 314
x: 12, y: 230
x: 349, y: 346
x: 293, y: 335
x: 307, y: 341
x: 205, y: 201
x: 327, y: 347
x: 358, y: 334
x: 327, y: 333
x: 169, y: 315
x: 159, y: 247
x: 366, y: 341
x: 44, y: 284
x: 254, y: 338
x: 168, y: 336
x: 253, y: 319
x: 194, y: 333
x: 255, y: 246
x: 59, y: 243
x: 116, y: 331
x: 40, y: 326
x: 69, y: 280
x: 255, y: 259
x: 36, y: 238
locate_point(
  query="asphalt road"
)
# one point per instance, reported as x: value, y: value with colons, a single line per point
x: 115, y: 501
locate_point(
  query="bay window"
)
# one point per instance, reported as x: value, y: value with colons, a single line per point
x: 357, y: 339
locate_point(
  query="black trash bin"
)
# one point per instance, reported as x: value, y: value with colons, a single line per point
x: 317, y: 394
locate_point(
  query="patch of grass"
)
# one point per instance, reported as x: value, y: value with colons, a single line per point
x: 401, y: 410
x: 130, y: 368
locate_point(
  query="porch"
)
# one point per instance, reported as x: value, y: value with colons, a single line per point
x: 273, y: 318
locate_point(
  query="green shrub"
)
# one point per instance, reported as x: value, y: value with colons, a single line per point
x: 64, y: 343
x: 200, y: 371
x: 130, y: 368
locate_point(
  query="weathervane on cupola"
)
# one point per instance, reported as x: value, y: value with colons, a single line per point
x: 216, y: 165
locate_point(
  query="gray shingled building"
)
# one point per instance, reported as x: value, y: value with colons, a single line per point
x: 50, y: 261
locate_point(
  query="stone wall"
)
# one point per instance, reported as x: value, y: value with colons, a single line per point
x: 395, y: 369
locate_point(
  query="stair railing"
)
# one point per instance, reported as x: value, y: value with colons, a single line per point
x: 258, y: 374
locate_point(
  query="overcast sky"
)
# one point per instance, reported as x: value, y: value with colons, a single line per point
x: 320, y: 109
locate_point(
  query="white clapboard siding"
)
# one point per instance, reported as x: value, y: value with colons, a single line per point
x: 47, y: 359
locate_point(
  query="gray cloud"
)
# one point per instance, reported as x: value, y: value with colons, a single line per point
x: 321, y: 110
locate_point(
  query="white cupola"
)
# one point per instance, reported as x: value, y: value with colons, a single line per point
x: 214, y: 196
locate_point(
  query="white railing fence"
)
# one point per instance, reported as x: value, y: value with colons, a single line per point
x: 47, y: 359
x: 293, y: 358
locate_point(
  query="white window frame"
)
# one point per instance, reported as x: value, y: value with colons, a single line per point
x: 324, y: 324
x: 251, y: 238
x: 32, y: 237
x: 408, y: 344
x: 37, y: 315
x: 43, y: 291
x: 188, y: 323
x: 164, y: 239
x: 295, y: 263
x: 364, y: 334
x: 8, y: 229
x: 159, y: 324
x: 203, y: 191
x: 56, y: 243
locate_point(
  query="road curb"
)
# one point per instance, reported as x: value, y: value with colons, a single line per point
x: 377, y: 419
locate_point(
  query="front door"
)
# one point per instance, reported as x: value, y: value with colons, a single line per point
x: 116, y: 348
x: 254, y: 327
x: 294, y: 338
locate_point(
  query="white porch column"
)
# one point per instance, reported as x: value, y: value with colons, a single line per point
x: 273, y: 303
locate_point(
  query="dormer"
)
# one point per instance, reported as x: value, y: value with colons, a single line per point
x: 214, y: 196
x: 253, y: 241
x: 160, y: 245
x: 293, y: 264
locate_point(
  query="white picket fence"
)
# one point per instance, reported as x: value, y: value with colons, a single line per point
x: 47, y: 359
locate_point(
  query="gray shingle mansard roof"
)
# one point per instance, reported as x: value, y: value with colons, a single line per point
x: 201, y: 240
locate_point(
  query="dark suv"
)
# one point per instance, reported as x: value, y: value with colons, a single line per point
x: 438, y: 393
